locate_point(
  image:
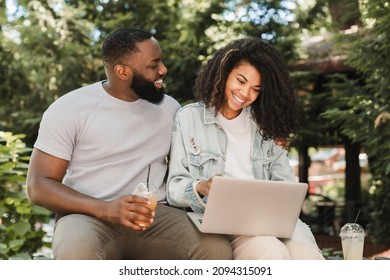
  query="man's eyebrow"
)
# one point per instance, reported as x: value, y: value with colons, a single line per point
x: 155, y: 60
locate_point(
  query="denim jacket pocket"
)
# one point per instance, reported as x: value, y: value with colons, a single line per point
x: 262, y: 166
x: 267, y: 160
x: 204, y: 165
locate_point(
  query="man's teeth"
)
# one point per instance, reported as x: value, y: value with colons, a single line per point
x: 159, y: 81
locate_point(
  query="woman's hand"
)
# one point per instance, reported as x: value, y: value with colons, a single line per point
x: 203, y: 187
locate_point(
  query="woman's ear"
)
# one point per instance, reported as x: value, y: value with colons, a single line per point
x: 123, y: 72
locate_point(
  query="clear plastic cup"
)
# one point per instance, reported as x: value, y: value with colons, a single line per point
x: 150, y: 192
x: 352, y: 241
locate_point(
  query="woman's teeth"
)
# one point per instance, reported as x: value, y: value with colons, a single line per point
x: 238, y: 99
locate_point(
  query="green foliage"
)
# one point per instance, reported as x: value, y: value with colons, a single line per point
x: 46, y: 50
x: 332, y: 254
x: 362, y: 108
x: 20, y: 222
x: 354, y: 105
x: 379, y: 226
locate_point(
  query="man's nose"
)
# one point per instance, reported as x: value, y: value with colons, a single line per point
x: 163, y: 70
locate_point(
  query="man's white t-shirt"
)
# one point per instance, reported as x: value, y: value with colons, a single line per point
x: 109, y: 143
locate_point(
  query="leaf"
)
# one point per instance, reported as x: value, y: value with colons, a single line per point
x: 3, y: 249
x: 37, y: 210
x: 7, y: 166
x: 3, y: 210
x: 21, y: 228
x: 20, y: 256
x: 16, y: 244
x: 23, y: 209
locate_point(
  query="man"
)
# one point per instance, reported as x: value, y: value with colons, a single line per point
x: 94, y: 147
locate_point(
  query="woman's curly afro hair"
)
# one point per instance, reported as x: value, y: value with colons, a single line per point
x: 275, y: 110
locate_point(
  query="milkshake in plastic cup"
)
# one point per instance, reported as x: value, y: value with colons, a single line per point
x: 352, y: 241
x: 150, y: 192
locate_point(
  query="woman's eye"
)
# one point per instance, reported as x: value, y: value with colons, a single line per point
x: 257, y: 89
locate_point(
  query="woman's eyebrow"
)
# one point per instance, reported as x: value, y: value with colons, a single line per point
x: 242, y: 76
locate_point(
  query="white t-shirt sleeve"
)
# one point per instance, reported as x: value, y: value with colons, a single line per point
x: 57, y: 131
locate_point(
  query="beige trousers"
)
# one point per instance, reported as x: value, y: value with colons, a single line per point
x: 172, y: 236
x: 301, y: 246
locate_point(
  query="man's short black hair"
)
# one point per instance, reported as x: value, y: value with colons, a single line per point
x: 121, y: 43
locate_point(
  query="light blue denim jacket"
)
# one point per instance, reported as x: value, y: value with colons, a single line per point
x: 198, y: 152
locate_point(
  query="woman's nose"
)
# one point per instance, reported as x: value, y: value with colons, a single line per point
x: 245, y: 91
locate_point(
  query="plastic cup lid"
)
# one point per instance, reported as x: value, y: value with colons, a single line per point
x: 352, y: 229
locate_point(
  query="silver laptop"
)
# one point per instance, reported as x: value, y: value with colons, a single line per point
x: 251, y: 207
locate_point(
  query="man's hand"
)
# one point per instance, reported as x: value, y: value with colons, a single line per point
x: 128, y: 211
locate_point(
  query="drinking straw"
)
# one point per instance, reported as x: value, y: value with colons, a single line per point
x: 357, y: 215
x: 147, y: 178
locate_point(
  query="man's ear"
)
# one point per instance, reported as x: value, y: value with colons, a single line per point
x: 123, y: 72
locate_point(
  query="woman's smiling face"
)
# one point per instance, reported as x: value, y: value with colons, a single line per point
x: 243, y: 86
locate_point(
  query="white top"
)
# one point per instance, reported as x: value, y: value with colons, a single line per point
x: 238, y: 152
x: 109, y: 143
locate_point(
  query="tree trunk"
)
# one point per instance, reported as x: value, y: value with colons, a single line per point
x: 304, y: 164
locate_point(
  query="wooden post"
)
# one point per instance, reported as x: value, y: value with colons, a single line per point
x: 352, y: 180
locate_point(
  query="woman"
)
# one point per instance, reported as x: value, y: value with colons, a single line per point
x: 246, y: 105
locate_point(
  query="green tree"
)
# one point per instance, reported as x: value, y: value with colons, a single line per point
x: 364, y: 116
x: 190, y: 31
x: 354, y: 106
x: 51, y: 47
x: 46, y: 51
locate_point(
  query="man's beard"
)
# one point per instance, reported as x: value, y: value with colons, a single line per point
x: 146, y: 90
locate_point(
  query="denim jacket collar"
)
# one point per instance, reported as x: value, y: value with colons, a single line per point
x: 209, y: 115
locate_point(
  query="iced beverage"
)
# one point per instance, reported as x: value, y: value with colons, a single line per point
x: 150, y: 192
x: 352, y: 241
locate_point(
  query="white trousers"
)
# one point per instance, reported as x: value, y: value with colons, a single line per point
x: 301, y: 246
